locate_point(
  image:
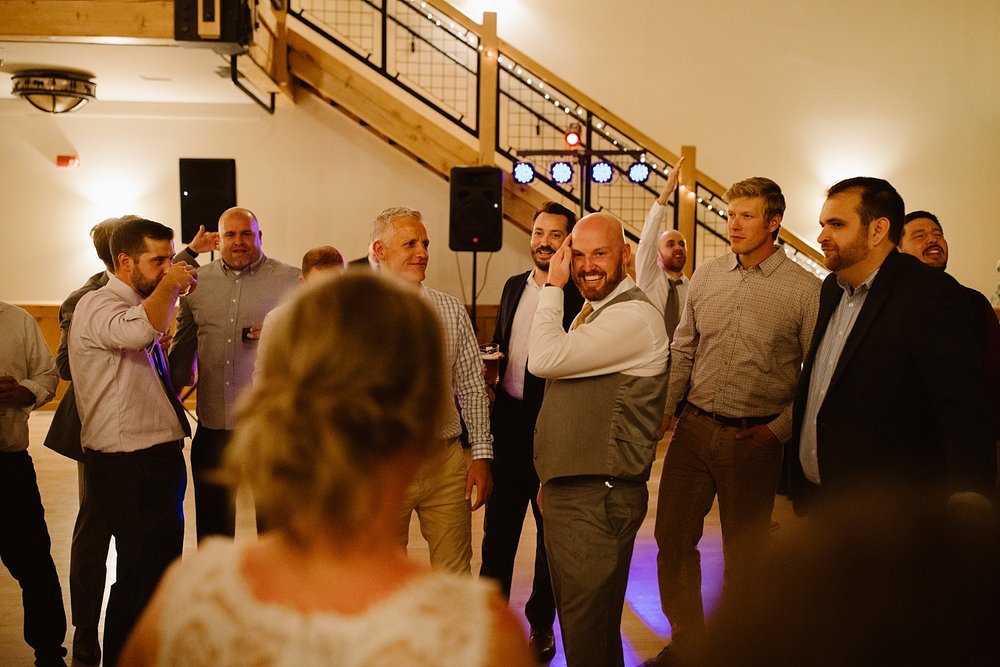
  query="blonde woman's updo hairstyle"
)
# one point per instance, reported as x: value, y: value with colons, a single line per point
x: 357, y: 376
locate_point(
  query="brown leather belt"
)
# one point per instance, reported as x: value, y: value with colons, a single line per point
x: 734, y: 422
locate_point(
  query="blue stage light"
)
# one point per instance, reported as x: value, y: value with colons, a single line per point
x: 601, y: 172
x: 638, y: 172
x: 524, y: 172
x: 562, y: 172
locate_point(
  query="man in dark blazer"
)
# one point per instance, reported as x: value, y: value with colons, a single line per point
x: 518, y: 400
x: 923, y: 237
x: 891, y: 393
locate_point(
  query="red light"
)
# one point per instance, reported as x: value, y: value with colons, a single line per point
x: 573, y: 138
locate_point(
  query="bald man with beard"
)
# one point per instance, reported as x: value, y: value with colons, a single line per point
x: 219, y: 327
x: 596, y: 432
x: 661, y: 256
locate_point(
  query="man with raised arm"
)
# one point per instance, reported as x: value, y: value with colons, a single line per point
x: 661, y: 256
x: 91, y: 533
x: 133, y: 425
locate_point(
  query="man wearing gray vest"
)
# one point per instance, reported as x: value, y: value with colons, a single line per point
x: 596, y: 433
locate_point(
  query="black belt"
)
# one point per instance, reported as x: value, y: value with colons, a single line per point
x: 735, y: 422
x: 179, y: 444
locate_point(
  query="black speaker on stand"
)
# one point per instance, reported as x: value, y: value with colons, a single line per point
x: 475, y: 221
x: 208, y: 187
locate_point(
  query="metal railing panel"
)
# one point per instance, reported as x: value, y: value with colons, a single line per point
x: 431, y: 53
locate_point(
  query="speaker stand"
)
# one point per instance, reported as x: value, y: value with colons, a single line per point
x: 475, y: 324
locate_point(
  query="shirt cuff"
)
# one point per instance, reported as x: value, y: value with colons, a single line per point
x: 41, y: 393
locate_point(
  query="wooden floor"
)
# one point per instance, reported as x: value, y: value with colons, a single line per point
x: 644, y: 629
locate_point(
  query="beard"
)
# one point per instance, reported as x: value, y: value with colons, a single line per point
x: 142, y: 284
x: 540, y: 262
x: 596, y: 293
x: 848, y: 255
x: 673, y: 263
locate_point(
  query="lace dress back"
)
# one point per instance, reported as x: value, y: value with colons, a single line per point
x: 210, y: 617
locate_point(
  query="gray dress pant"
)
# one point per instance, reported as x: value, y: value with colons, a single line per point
x: 590, y: 528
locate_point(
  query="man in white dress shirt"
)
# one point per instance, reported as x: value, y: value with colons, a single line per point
x: 27, y: 380
x: 596, y: 433
x: 660, y: 258
x: 133, y: 427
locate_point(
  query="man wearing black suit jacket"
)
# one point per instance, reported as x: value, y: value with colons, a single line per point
x: 923, y: 237
x: 891, y: 393
x: 518, y: 400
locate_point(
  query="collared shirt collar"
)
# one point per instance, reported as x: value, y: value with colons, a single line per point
x: 124, y: 290
x: 767, y: 267
x: 863, y: 287
x: 530, y: 280
x: 252, y: 268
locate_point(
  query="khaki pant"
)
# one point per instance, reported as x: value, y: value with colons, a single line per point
x: 437, y: 494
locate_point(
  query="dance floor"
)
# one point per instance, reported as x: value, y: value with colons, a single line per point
x: 644, y: 629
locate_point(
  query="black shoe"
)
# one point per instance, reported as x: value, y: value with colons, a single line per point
x: 543, y: 644
x: 86, y: 647
x: 664, y: 658
x: 51, y: 659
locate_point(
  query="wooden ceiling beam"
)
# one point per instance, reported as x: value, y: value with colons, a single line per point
x: 54, y: 19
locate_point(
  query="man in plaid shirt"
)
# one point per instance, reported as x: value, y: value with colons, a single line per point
x: 441, y: 494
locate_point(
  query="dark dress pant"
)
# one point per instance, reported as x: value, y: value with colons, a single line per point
x: 142, y: 495
x: 25, y: 549
x: 515, y: 487
x: 88, y: 558
x: 590, y: 529
x: 214, y: 504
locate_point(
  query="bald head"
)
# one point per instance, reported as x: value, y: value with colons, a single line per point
x: 320, y: 260
x: 672, y: 252
x: 241, y: 237
x: 600, y: 255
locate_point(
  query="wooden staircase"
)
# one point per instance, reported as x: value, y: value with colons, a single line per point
x: 287, y: 56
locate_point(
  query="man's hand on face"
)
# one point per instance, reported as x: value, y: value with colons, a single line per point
x: 559, y: 265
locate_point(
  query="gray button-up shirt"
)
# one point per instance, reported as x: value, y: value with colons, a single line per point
x: 827, y: 355
x: 210, y: 326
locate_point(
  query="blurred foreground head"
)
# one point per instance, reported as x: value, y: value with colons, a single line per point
x: 357, y: 380
x: 884, y: 576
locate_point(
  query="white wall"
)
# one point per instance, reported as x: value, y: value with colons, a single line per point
x: 806, y: 93
x: 312, y: 176
x: 803, y: 92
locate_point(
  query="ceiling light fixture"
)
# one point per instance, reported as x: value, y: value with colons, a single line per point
x: 54, y: 90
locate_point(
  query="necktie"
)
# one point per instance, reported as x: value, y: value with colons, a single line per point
x: 584, y: 314
x: 672, y: 311
x: 160, y: 364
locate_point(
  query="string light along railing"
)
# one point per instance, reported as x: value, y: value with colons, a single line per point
x: 534, y: 115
